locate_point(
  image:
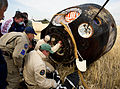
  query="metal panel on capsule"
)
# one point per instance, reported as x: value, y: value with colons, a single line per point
x: 93, y: 40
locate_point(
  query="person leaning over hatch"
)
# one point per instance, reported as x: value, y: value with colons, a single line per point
x: 35, y: 69
x: 42, y: 41
x: 14, y: 24
x: 14, y: 46
x: 3, y: 64
x: 45, y: 40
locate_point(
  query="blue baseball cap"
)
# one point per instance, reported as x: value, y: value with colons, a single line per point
x: 30, y: 30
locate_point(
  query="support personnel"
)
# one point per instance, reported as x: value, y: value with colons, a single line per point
x: 28, y: 23
x: 3, y: 7
x: 35, y: 69
x: 3, y: 64
x: 14, y: 46
x: 15, y: 24
x: 42, y: 41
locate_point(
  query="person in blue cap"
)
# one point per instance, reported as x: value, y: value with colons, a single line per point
x: 14, y: 46
x: 33, y: 42
x: 30, y: 30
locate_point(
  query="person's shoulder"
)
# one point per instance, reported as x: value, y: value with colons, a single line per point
x: 20, y: 35
x: 32, y: 52
x: 24, y: 36
x: 37, y: 60
x: 8, y: 20
x: 41, y: 40
x: 16, y: 33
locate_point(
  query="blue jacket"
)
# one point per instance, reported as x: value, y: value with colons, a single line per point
x: 16, y: 27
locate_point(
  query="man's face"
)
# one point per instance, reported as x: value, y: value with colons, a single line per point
x: 46, y: 53
x: 18, y: 20
x: 30, y: 36
x: 2, y: 10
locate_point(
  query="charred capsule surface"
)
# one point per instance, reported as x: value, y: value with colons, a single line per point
x: 94, y: 37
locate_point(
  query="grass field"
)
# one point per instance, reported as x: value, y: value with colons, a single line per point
x: 105, y: 72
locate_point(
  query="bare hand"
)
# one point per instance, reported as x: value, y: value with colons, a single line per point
x: 60, y: 42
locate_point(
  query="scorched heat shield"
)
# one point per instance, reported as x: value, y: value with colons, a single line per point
x: 94, y: 37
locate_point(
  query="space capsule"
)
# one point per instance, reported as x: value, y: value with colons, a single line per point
x: 94, y: 37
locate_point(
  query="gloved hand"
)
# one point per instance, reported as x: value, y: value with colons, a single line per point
x: 60, y: 42
x: 54, y: 75
x: 49, y: 75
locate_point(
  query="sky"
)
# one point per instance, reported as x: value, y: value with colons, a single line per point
x: 40, y: 9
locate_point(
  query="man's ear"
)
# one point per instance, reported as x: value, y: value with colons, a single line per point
x: 15, y: 19
x: 40, y: 48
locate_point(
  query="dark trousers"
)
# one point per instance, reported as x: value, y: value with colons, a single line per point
x: 0, y: 30
x: 3, y: 72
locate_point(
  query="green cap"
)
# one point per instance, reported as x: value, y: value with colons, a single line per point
x: 46, y: 47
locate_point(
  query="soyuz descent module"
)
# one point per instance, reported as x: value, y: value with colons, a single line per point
x: 94, y: 34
